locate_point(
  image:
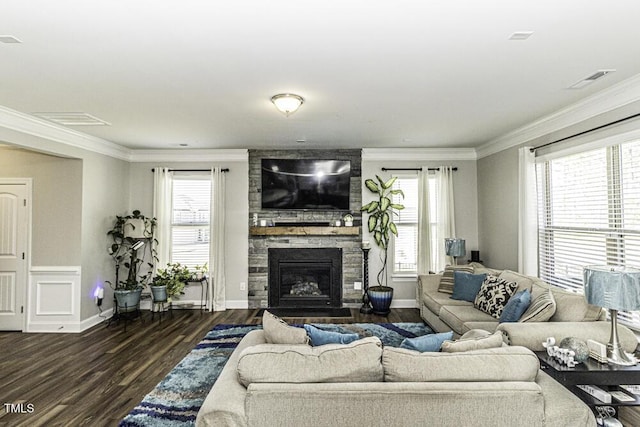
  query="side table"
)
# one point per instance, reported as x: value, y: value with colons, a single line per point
x: 590, y: 372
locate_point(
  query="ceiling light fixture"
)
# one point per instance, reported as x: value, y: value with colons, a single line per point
x: 520, y: 35
x: 287, y: 103
x: 591, y: 78
x: 9, y: 39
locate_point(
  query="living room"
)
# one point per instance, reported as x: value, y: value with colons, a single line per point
x: 412, y: 114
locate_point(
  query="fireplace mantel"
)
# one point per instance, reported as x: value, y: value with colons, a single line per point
x: 304, y: 231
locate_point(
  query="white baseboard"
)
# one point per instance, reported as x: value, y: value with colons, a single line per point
x: 96, y: 319
x: 404, y: 303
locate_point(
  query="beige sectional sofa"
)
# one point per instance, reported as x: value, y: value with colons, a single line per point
x: 573, y: 315
x: 362, y: 383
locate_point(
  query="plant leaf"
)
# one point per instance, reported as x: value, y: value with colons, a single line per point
x: 366, y: 207
x: 371, y: 185
x: 372, y: 206
x: 389, y: 183
x: 373, y: 220
x: 384, y: 203
x: 385, y: 220
x: 398, y: 191
x: 378, y: 237
x: 397, y: 206
x: 393, y: 228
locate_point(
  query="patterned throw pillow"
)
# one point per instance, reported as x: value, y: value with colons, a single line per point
x: 494, y: 294
x: 447, y: 280
x: 541, y: 309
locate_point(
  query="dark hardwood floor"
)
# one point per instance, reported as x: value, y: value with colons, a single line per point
x: 96, y: 377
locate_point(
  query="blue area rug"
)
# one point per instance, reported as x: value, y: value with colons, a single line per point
x: 175, y: 401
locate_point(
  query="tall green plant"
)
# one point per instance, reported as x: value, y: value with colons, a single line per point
x: 381, y: 211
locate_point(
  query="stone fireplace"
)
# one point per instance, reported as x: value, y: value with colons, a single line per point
x: 299, y: 229
x: 305, y: 277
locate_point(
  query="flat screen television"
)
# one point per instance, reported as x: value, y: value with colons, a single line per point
x: 306, y: 184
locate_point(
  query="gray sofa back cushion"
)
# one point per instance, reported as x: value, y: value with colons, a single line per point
x: 359, y: 361
x: 492, y: 365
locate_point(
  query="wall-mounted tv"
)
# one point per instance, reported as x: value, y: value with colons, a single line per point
x: 305, y: 184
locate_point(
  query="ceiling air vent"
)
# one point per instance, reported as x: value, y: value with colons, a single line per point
x: 590, y: 79
x: 73, y: 119
x: 9, y: 39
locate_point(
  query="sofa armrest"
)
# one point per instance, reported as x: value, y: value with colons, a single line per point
x: 427, y: 283
x: 533, y: 334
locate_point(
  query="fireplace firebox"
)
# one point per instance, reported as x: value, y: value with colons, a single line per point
x: 305, y: 277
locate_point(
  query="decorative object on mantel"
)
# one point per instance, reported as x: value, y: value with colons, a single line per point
x: 614, y: 288
x: 455, y: 247
x: 287, y: 103
x: 348, y: 220
x: 381, y: 226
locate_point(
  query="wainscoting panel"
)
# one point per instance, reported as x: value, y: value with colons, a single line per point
x: 54, y: 299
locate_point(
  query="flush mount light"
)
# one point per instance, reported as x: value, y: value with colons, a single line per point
x: 287, y: 103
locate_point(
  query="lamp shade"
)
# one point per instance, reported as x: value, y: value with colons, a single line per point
x: 615, y: 288
x: 455, y: 247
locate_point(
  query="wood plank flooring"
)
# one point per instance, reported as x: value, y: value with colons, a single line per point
x: 96, y: 377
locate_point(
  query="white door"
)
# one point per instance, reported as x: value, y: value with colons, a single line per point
x: 13, y: 247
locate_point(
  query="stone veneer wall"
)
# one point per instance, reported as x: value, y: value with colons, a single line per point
x: 259, y: 245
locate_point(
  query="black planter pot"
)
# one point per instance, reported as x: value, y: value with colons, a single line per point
x: 380, y: 297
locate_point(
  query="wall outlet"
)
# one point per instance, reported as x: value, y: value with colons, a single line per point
x: 243, y: 286
x: 357, y: 286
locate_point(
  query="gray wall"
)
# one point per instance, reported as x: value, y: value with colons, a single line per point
x: 57, y: 203
x: 237, y: 218
x: 498, y: 209
x: 466, y: 207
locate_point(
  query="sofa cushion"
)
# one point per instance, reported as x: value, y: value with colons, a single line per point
x: 476, y: 343
x: 446, y: 281
x: 524, y: 282
x: 541, y: 309
x: 456, y: 316
x: 358, y: 361
x: 435, y: 300
x: 430, y: 342
x: 491, y: 365
x: 277, y: 331
x: 480, y: 269
x: 466, y: 285
x: 516, y: 306
x: 493, y: 295
x: 572, y: 307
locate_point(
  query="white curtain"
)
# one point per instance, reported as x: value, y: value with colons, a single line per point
x: 217, y: 302
x: 528, y: 214
x: 446, y: 222
x: 424, y: 224
x: 162, y: 187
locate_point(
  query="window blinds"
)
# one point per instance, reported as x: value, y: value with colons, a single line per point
x: 190, y: 220
x: 589, y: 213
x: 406, y: 243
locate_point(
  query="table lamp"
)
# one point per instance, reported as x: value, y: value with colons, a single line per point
x: 454, y: 247
x: 613, y: 288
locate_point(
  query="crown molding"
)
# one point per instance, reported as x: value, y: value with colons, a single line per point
x: 189, y: 155
x: 419, y: 154
x: 33, y: 126
x: 624, y: 93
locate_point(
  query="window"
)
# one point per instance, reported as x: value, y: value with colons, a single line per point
x: 190, y: 202
x: 405, y: 246
x: 589, y: 213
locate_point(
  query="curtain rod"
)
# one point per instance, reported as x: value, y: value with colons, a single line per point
x: 533, y: 149
x: 192, y: 170
x: 413, y: 169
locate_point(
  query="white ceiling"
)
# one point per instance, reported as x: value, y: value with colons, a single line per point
x: 436, y: 73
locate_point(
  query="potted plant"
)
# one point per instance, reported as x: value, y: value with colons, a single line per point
x: 170, y: 282
x: 132, y: 244
x: 199, y: 272
x: 381, y: 226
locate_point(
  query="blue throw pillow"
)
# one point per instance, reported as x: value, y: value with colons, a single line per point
x: 516, y: 306
x: 320, y: 337
x: 431, y: 342
x: 466, y: 285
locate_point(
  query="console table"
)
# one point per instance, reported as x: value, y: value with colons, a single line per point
x: 590, y: 372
